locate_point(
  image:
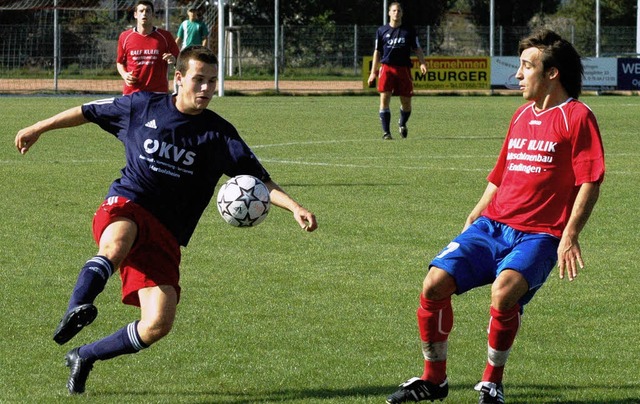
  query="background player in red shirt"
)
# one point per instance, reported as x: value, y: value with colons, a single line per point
x: 392, y: 63
x: 540, y: 195
x: 145, y: 52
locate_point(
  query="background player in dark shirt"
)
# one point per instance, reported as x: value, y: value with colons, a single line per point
x: 176, y: 152
x: 392, y: 63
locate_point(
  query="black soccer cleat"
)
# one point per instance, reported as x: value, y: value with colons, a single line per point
x: 80, y: 369
x: 74, y: 321
x: 404, y: 132
x: 490, y: 393
x: 386, y: 136
x: 416, y: 389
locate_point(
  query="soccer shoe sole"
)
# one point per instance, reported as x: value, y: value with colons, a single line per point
x: 74, y: 321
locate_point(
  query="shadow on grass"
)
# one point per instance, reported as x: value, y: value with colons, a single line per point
x: 547, y: 394
x: 534, y: 394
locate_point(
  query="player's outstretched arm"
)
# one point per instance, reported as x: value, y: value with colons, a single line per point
x: 305, y: 218
x: 28, y: 136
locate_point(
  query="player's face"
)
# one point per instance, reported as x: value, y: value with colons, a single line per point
x: 196, y: 87
x: 395, y: 13
x: 534, y: 81
x: 143, y: 14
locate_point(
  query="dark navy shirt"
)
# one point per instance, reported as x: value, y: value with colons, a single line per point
x: 396, y: 44
x: 173, y: 160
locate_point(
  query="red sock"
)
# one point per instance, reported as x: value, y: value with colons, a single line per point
x: 503, y: 327
x: 435, y: 320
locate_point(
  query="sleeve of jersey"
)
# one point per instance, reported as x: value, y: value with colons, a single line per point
x: 111, y: 114
x: 415, y: 39
x: 378, y: 44
x: 244, y: 161
x: 587, y: 149
x: 121, y: 57
x: 180, y: 33
x: 173, y: 46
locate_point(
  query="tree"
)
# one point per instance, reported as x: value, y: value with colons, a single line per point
x: 581, y: 16
x: 340, y: 12
x: 510, y: 16
x: 612, y: 12
x: 511, y: 12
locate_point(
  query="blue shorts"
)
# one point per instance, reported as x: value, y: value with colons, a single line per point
x: 478, y: 255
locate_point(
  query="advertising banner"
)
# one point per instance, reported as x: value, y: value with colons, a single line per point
x: 480, y: 73
x: 445, y: 73
x: 628, y: 74
x: 599, y: 73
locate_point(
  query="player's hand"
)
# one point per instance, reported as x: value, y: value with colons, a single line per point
x: 569, y: 258
x: 372, y: 78
x: 306, y: 219
x: 130, y: 79
x: 423, y: 68
x: 26, y: 138
x: 169, y: 58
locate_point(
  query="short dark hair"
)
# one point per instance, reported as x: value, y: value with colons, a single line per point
x: 195, y: 52
x: 146, y: 3
x: 559, y: 53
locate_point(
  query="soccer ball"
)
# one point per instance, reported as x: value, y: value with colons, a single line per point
x: 243, y: 201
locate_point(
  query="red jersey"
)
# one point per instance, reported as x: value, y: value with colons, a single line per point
x: 545, y: 158
x: 142, y: 54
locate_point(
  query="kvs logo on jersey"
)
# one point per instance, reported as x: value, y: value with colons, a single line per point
x: 169, y: 151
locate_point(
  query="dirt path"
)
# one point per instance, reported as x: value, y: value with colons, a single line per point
x: 35, y: 86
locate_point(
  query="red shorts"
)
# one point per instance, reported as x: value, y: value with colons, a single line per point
x: 395, y: 79
x: 154, y: 258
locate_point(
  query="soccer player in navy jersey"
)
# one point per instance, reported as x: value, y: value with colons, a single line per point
x: 538, y: 199
x: 176, y: 151
x: 392, y: 64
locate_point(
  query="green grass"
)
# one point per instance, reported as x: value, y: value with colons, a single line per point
x: 276, y: 315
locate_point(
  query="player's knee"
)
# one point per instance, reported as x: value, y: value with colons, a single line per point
x: 438, y: 284
x: 153, y: 331
x: 117, y: 239
x: 507, y: 290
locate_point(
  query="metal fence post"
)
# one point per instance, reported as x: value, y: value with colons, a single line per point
x: 355, y: 49
x: 56, y: 46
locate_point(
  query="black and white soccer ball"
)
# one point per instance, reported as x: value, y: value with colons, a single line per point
x: 243, y: 201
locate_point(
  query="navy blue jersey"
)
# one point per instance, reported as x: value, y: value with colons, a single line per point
x: 173, y: 160
x: 396, y: 44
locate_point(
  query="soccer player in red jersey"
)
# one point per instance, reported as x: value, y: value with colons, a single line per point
x: 145, y: 52
x: 392, y: 63
x: 176, y: 151
x: 540, y: 195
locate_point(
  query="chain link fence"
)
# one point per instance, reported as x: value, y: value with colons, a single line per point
x: 88, y: 40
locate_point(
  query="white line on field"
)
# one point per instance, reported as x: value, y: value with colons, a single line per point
x: 312, y: 142
x: 309, y: 163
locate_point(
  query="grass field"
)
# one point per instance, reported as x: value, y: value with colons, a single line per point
x: 276, y: 315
